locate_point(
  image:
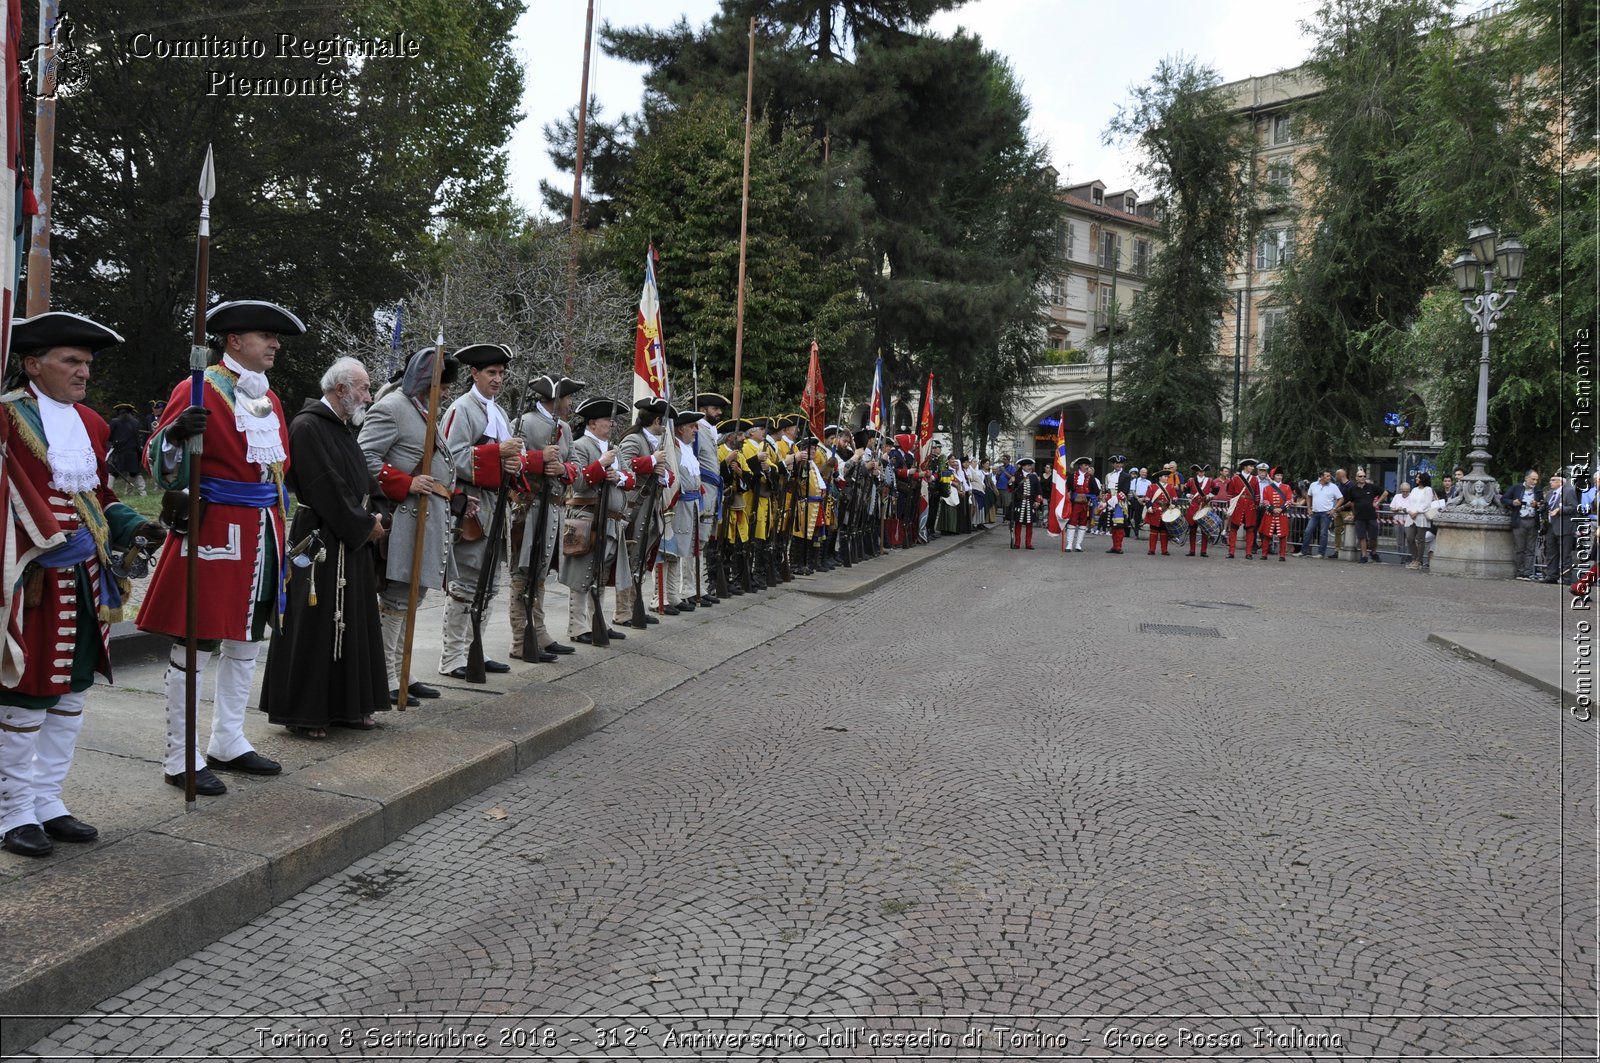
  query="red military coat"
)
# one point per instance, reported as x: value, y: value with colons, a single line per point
x: 1244, y: 489
x: 241, y: 547
x: 42, y: 639
x: 1275, y: 499
x: 1157, y: 497
x: 1080, y: 485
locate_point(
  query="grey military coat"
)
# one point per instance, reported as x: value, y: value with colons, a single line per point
x: 464, y: 426
x: 539, y: 431
x: 576, y: 572
x: 393, y: 434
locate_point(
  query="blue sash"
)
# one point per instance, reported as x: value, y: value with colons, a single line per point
x: 241, y: 493
x: 79, y: 548
x: 256, y: 496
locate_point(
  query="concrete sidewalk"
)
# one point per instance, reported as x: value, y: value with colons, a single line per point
x: 1540, y: 660
x: 159, y: 883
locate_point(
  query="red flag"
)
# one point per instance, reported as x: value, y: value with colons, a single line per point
x: 1056, y: 519
x: 649, y: 355
x: 814, y: 401
x: 16, y: 198
x: 925, y: 426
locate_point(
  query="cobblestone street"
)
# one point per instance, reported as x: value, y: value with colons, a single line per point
x: 979, y: 812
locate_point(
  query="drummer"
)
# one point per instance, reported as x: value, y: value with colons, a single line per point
x: 1162, y: 513
x: 1200, y: 488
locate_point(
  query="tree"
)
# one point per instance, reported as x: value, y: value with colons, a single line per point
x: 1364, y: 255
x: 1167, y: 398
x: 1484, y: 147
x: 684, y: 198
x: 326, y: 196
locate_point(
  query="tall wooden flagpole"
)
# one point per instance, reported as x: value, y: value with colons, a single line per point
x: 577, y: 193
x: 46, y: 78
x: 744, y: 224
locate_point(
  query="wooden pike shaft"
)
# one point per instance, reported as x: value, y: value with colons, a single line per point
x: 744, y: 224
x: 429, y: 439
x: 577, y: 193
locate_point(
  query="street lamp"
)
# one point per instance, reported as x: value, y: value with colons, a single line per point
x: 1489, y: 255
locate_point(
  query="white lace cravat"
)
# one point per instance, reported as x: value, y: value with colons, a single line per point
x: 263, y: 440
x: 73, y: 465
x: 498, y: 428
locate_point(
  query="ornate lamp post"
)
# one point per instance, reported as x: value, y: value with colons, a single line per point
x: 1487, y: 257
x: 1474, y: 535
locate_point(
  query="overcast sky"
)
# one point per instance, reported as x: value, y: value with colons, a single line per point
x: 1075, y: 60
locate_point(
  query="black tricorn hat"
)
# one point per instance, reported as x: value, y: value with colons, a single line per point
x: 683, y: 417
x: 1082, y: 461
x: 652, y: 407
x: 866, y: 434
x: 483, y: 355
x: 598, y: 407
x: 1024, y: 461
x: 549, y: 387
x: 733, y: 424
x: 761, y: 422
x: 252, y: 315
x: 711, y: 398
x: 788, y: 420
x: 58, y: 328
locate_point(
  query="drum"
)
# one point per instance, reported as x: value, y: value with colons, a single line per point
x: 1172, y: 514
x: 1174, y: 525
x: 1209, y: 523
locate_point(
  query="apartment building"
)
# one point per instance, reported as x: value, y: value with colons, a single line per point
x: 1105, y: 242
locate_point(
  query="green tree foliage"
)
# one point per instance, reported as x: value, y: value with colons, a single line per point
x: 684, y: 197
x: 921, y: 146
x: 324, y: 201
x: 1365, y: 254
x: 1484, y: 148
x: 1166, y: 398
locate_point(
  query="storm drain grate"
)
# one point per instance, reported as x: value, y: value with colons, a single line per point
x: 1180, y: 629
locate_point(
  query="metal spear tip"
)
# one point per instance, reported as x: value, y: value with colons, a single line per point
x: 208, y: 177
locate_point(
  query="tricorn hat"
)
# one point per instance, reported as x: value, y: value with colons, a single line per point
x: 483, y: 355
x: 550, y: 387
x: 1117, y: 459
x: 683, y: 417
x: 598, y: 407
x: 651, y: 407
x: 1082, y: 461
x: 58, y: 328
x: 252, y: 315
x: 124, y: 406
x: 711, y: 398
x: 788, y: 420
x: 733, y: 424
x: 1024, y: 461
x: 831, y: 430
x: 760, y: 422
x: 865, y: 435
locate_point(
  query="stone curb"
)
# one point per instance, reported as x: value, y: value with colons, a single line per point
x: 918, y: 555
x: 91, y: 927
x: 1508, y: 662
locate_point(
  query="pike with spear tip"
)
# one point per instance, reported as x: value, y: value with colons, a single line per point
x: 199, y: 358
x: 425, y: 468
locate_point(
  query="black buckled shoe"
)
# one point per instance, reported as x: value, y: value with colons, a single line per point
x: 28, y: 840
x: 671, y: 610
x: 496, y: 667
x: 558, y: 648
x: 251, y: 763
x: 422, y: 690
x: 70, y: 829
x: 685, y: 606
x: 205, y: 783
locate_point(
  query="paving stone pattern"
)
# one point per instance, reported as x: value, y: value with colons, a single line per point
x: 1014, y: 827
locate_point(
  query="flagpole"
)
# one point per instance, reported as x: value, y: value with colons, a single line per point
x: 577, y: 194
x: 744, y: 223
x: 44, y: 156
x: 1061, y: 459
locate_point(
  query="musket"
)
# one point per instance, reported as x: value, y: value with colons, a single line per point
x: 645, y: 543
x: 199, y: 356
x: 530, y: 650
x: 477, y: 666
x: 430, y: 439
x: 599, y: 632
